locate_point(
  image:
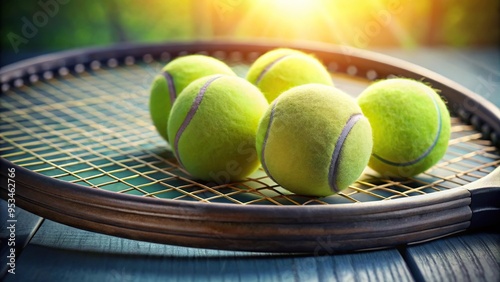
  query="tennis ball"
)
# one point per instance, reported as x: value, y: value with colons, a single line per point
x: 212, y: 128
x: 281, y: 69
x: 411, y: 126
x: 175, y: 76
x: 314, y: 140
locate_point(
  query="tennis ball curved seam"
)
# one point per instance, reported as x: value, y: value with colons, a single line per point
x: 429, y: 149
x: 192, y: 111
x: 171, y: 86
x: 269, y: 66
x: 264, y: 142
x: 334, y: 163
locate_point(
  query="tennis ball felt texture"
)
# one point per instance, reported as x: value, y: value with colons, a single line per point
x: 281, y: 69
x: 411, y: 126
x: 212, y: 128
x: 175, y: 76
x: 314, y: 140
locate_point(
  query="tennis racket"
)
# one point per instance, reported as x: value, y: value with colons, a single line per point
x: 78, y: 147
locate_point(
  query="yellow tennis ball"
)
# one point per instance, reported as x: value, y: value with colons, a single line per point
x: 281, y: 69
x: 411, y: 126
x: 212, y: 128
x: 175, y: 76
x: 314, y: 140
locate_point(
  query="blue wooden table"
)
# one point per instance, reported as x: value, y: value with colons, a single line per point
x: 50, y: 251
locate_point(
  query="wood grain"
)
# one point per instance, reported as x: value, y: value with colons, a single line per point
x: 468, y: 257
x: 61, y: 253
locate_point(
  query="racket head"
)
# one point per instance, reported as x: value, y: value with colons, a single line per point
x: 66, y: 140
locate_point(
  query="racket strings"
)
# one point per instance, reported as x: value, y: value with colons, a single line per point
x: 91, y: 127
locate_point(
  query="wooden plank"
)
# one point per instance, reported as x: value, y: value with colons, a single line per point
x: 25, y: 227
x: 58, y: 252
x: 466, y: 257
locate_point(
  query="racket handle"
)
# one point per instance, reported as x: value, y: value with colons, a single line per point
x: 485, y: 200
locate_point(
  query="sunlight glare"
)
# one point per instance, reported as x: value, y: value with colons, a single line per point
x: 295, y: 7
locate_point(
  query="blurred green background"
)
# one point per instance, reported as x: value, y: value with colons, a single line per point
x: 32, y: 27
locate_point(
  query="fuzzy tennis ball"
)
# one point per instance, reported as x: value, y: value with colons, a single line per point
x: 281, y: 69
x: 411, y: 126
x: 175, y: 76
x: 314, y: 140
x: 212, y: 128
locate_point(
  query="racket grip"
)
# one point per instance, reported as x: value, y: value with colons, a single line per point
x: 485, y: 200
